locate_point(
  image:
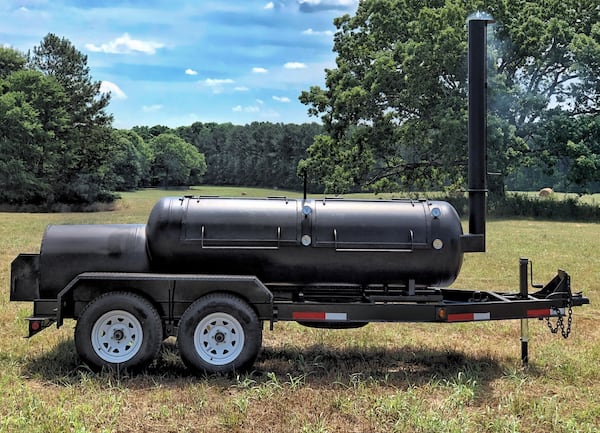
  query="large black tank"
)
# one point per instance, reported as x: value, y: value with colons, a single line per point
x: 308, y: 241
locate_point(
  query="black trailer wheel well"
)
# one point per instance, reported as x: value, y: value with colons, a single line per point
x: 227, y: 293
x: 169, y: 315
x: 169, y: 294
x: 86, y: 292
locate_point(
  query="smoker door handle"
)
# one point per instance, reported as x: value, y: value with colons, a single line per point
x: 411, y: 236
x: 242, y: 247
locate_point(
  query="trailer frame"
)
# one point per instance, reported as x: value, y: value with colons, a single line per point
x: 173, y: 293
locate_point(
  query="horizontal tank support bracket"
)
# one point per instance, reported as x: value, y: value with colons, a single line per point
x: 473, y: 243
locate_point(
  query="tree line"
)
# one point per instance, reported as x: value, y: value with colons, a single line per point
x: 259, y: 154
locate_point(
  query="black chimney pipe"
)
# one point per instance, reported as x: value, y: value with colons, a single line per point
x: 474, y: 241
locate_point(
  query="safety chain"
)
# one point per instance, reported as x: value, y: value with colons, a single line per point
x: 560, y: 323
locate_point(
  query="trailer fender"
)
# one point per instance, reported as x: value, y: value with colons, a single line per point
x: 183, y: 289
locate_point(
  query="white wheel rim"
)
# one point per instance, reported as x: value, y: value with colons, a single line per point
x: 117, y: 336
x: 219, y: 338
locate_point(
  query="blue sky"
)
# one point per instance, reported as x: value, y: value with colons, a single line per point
x: 175, y: 62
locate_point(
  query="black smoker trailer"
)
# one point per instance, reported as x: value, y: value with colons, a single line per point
x: 211, y: 270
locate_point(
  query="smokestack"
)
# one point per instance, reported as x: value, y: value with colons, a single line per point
x: 474, y: 241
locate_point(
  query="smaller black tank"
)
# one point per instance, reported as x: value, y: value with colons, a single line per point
x: 69, y: 250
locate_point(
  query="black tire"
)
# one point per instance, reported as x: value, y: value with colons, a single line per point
x: 118, y: 330
x: 219, y: 333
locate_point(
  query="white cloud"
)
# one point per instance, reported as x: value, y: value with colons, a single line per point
x: 152, y: 108
x: 294, y: 65
x: 312, y: 32
x: 269, y: 5
x: 241, y: 89
x: 281, y: 98
x: 259, y: 70
x: 113, y: 89
x: 323, y: 5
x: 189, y: 71
x: 247, y: 109
x: 126, y: 45
x: 217, y: 84
x: 260, y: 101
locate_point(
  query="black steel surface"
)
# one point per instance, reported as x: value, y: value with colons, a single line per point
x: 69, y: 250
x: 350, y: 241
x: 475, y: 240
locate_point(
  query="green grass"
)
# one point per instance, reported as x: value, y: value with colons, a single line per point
x: 380, y: 378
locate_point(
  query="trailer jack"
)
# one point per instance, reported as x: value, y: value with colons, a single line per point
x: 558, y: 288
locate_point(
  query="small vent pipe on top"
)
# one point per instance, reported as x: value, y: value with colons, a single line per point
x: 474, y: 241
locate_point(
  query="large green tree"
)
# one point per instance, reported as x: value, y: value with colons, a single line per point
x: 547, y: 58
x: 34, y: 122
x: 130, y: 161
x: 85, y: 166
x: 11, y: 60
x: 394, y: 108
x: 175, y: 161
x: 569, y: 146
x: 58, y: 57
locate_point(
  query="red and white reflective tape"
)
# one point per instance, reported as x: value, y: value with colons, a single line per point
x: 474, y: 317
x: 546, y: 312
x: 468, y: 317
x: 319, y: 315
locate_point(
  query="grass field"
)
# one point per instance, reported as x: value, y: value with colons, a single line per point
x: 380, y: 378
